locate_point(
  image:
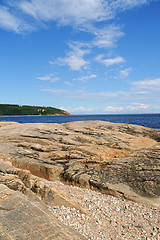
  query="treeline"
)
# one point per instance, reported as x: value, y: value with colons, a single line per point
x: 11, y: 109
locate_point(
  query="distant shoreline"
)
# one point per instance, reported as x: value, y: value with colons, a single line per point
x: 11, y: 110
x: 36, y: 115
x: 97, y: 114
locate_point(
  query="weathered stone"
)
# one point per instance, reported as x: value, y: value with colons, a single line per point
x: 23, y: 218
x: 34, y: 187
x: 118, y: 159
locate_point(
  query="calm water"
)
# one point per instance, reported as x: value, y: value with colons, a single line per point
x: 147, y: 120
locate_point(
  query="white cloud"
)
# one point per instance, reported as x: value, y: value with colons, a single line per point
x: 85, y: 78
x: 122, y: 5
x: 112, y: 61
x: 86, y: 95
x: 106, y: 37
x: 49, y: 77
x: 11, y: 22
x: 109, y: 61
x: 143, y: 106
x: 134, y: 107
x: 124, y: 73
x: 77, y: 109
x: 77, y: 12
x: 68, y: 83
x: 66, y: 11
x: 151, y: 84
x: 113, y: 109
x: 137, y: 106
x: 99, y: 57
x: 74, y: 58
x: 74, y: 61
x: 58, y: 92
x: 81, y: 94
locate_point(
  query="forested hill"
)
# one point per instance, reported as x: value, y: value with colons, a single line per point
x: 14, y: 110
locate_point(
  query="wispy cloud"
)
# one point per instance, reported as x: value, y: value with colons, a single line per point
x: 66, y: 11
x: 68, y: 83
x: 78, y: 14
x: 142, y: 91
x: 74, y: 58
x: 77, y: 109
x: 137, y: 106
x: 149, y: 84
x: 141, y: 97
x: 85, y: 78
x: 81, y: 94
x: 134, y: 107
x: 124, y: 73
x: 49, y: 77
x: 113, y: 109
x: 112, y: 61
x: 106, y: 37
x: 11, y: 22
x: 58, y: 92
x: 109, y: 61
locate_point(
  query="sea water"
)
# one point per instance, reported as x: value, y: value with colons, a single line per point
x: 147, y: 120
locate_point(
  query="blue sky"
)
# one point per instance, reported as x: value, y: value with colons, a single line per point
x: 84, y: 56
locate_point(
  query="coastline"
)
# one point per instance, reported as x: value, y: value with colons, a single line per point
x: 145, y: 120
x: 50, y: 115
x: 117, y: 167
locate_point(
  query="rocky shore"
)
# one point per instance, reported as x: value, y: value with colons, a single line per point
x: 117, y: 167
x: 109, y: 217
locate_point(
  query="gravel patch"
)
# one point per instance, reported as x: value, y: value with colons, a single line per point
x: 110, y: 218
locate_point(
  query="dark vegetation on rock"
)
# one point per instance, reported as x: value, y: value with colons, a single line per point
x: 14, y: 110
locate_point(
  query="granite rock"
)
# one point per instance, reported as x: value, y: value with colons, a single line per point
x: 118, y: 159
x: 23, y: 218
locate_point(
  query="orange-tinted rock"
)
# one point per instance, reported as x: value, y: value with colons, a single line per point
x: 118, y: 159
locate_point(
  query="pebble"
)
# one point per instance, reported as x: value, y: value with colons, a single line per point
x: 110, y: 218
